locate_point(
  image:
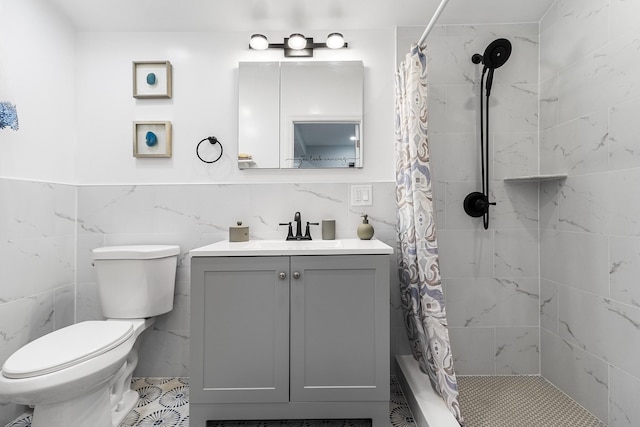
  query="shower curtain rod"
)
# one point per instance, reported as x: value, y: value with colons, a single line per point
x: 432, y: 23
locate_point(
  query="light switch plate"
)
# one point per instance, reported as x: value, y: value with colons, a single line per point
x: 361, y: 195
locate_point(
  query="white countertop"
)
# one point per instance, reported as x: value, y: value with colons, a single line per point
x: 293, y: 247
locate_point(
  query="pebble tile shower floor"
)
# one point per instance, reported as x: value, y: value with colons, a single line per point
x: 519, y: 401
x: 164, y: 402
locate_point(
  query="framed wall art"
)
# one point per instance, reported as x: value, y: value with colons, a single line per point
x: 151, y: 79
x: 151, y: 139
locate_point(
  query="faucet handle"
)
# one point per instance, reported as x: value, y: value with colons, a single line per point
x: 290, y: 232
x: 307, y: 232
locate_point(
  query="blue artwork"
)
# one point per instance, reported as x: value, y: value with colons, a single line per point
x: 8, y: 116
x: 151, y: 139
x: 151, y: 79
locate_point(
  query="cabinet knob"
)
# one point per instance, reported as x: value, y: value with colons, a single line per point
x: 282, y: 275
x: 296, y: 275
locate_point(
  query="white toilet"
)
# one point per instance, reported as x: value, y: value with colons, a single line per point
x: 80, y: 376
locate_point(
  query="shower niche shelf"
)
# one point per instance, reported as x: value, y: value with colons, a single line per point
x: 536, y: 178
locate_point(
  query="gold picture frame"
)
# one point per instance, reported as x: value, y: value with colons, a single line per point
x: 151, y: 139
x: 151, y: 79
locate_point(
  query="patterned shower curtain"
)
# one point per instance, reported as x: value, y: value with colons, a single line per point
x: 420, y: 285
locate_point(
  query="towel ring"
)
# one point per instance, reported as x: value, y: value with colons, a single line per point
x: 212, y: 140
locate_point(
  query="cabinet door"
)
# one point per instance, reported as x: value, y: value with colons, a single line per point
x: 340, y: 328
x: 240, y: 330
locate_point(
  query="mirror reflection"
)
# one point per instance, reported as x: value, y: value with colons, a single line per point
x: 300, y: 114
x: 325, y: 145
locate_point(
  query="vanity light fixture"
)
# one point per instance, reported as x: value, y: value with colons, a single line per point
x: 297, y: 45
x: 335, y: 41
x: 258, y: 42
x: 296, y: 41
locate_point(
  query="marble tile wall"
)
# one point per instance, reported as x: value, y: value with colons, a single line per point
x: 37, y: 244
x: 48, y: 231
x: 195, y: 215
x: 590, y: 233
x: 490, y: 277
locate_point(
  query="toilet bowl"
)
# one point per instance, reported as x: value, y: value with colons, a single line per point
x: 80, y: 376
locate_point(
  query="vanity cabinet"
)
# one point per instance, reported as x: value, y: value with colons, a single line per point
x: 240, y: 330
x: 286, y: 337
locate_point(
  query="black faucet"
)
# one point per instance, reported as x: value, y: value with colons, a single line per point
x: 298, y: 219
x: 289, y: 232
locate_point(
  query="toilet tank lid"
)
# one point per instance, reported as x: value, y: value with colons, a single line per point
x: 136, y: 252
x: 66, y: 347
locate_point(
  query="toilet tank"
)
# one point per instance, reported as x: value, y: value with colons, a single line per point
x: 136, y: 281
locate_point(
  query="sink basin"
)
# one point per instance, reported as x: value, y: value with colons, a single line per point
x: 293, y: 247
x: 293, y: 244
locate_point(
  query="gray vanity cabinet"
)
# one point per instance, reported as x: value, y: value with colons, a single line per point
x: 277, y: 337
x: 239, y: 330
x: 339, y: 328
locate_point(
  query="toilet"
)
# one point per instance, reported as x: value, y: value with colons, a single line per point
x: 80, y: 376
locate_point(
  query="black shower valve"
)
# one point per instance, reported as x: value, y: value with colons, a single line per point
x: 477, y: 204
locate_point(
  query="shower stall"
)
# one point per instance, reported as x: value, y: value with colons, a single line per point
x: 490, y: 277
x: 548, y: 288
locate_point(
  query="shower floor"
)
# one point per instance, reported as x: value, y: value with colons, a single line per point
x: 519, y: 401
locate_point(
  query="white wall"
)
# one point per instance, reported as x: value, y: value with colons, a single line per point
x: 204, y: 102
x: 37, y: 47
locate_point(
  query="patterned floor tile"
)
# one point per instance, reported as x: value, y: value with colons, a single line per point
x: 164, y: 402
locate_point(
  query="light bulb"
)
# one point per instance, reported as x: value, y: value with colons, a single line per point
x: 335, y: 41
x: 258, y: 42
x: 297, y: 41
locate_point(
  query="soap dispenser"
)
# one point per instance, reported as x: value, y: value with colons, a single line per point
x: 365, y: 230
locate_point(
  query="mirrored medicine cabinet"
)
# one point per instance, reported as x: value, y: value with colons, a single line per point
x: 302, y: 115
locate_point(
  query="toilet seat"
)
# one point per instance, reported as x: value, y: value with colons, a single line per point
x: 66, y: 347
x: 135, y: 252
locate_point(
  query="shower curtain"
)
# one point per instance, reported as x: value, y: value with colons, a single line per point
x: 420, y: 285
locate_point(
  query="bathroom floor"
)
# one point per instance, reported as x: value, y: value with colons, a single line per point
x: 164, y: 402
x: 519, y: 401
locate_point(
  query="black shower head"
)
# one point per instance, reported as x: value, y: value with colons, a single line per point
x: 497, y: 53
x: 495, y: 56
